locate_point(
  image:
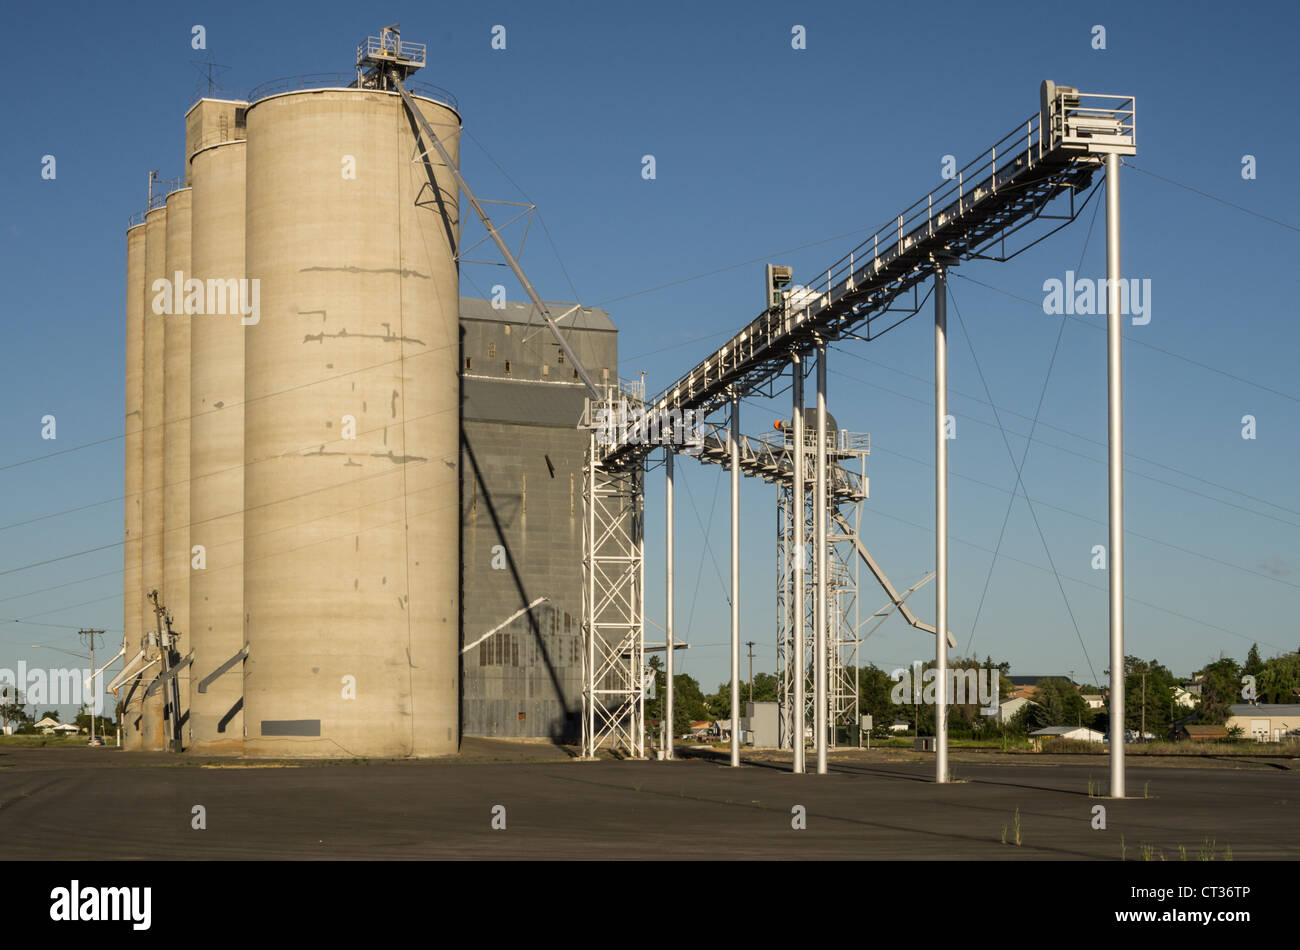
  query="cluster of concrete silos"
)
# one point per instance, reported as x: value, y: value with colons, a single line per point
x: 292, y: 470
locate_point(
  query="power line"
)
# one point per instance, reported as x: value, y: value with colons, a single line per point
x: 1024, y: 456
x: 405, y: 519
x: 46, y: 590
x: 196, y: 415
x: 293, y: 452
x: 1206, y: 194
x: 1128, y: 338
x: 704, y: 533
x: 1089, y: 458
x: 1019, y: 481
x: 540, y: 220
x: 1080, y: 515
x: 674, y: 346
x: 1069, y: 432
x: 1039, y: 567
x: 721, y: 270
x: 699, y: 573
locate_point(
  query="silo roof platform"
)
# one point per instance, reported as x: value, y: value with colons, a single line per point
x: 387, y: 51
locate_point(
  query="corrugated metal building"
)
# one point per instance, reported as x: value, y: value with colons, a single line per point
x: 521, y: 516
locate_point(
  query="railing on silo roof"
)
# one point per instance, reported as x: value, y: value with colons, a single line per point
x: 343, y: 81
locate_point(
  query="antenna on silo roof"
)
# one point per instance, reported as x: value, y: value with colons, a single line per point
x: 208, y: 72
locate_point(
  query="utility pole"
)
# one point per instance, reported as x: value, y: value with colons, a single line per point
x: 1144, y: 707
x: 750, y: 644
x: 88, y: 636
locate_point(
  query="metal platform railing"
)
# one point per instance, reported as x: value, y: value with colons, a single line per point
x: 344, y: 81
x: 164, y: 187
x: 987, y: 200
x: 390, y: 48
x: 771, y: 458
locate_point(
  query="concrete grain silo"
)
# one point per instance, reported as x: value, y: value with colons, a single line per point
x: 176, y: 442
x: 216, y: 170
x: 132, y: 565
x: 304, y: 428
x: 351, y: 429
x: 151, y: 498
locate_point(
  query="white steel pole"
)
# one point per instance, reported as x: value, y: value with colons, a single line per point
x: 819, y: 541
x: 735, y: 580
x: 669, y: 607
x: 797, y: 507
x: 1114, y: 368
x: 941, y: 523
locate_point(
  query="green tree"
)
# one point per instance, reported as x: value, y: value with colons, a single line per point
x: 1050, y: 696
x: 765, y: 689
x: 688, y: 700
x: 718, y: 703
x: 1027, y: 718
x: 1149, y: 691
x: 1220, y: 688
x: 13, y: 707
x: 874, y: 687
x: 1254, y: 665
x: 1279, y: 678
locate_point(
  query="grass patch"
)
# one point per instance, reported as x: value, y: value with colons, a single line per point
x: 1287, y: 749
x: 30, y: 741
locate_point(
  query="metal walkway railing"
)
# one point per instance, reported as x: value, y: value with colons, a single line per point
x: 1000, y: 192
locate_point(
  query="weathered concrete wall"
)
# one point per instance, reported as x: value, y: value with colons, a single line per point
x: 154, y: 407
x: 217, y: 454
x: 133, y: 551
x: 351, y: 431
x: 176, y: 451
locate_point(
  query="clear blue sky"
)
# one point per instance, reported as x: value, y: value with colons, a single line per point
x: 759, y: 148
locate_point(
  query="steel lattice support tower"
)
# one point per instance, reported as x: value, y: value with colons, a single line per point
x: 613, y: 563
x: 844, y: 625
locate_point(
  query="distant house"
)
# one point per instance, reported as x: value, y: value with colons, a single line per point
x: 900, y: 725
x: 1010, y: 707
x: 1266, y: 722
x: 1023, y: 687
x: 1077, y: 733
x: 46, y: 725
x: 700, y: 730
x: 1094, y: 700
x: 1185, y: 697
x: 1199, y: 733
